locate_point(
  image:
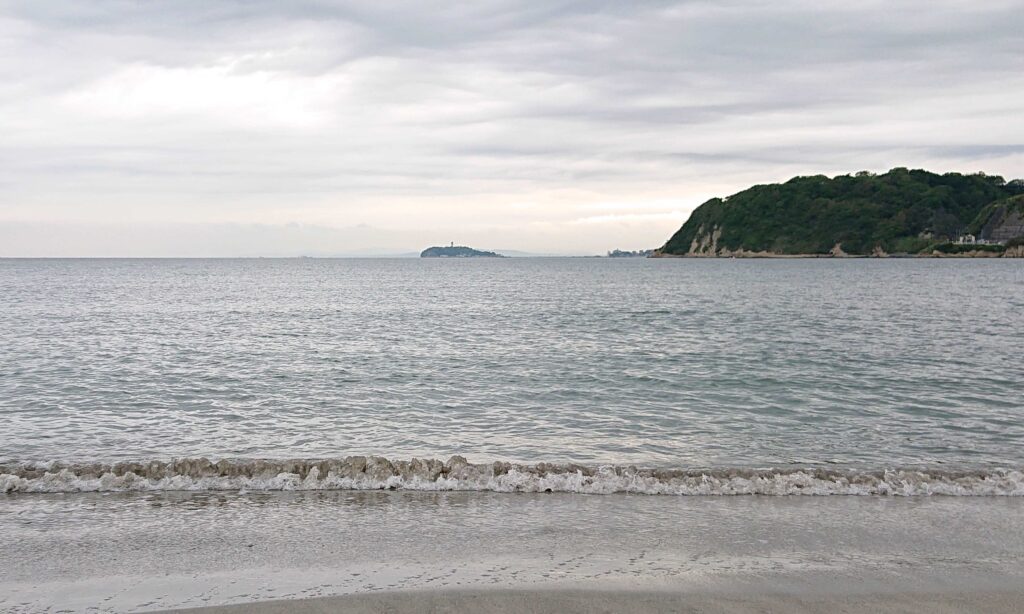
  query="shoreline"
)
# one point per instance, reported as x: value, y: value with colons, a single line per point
x: 556, y: 601
x: 767, y: 255
x: 374, y: 473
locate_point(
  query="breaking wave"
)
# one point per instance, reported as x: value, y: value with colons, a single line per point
x: 376, y: 473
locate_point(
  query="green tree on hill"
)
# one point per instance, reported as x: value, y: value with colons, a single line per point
x: 901, y: 210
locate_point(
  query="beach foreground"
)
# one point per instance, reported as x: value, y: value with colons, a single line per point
x: 395, y: 551
x: 629, y: 602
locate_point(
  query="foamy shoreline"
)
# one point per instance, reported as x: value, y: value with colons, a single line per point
x: 458, y: 474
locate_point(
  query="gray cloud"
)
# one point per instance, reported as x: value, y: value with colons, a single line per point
x: 483, y: 120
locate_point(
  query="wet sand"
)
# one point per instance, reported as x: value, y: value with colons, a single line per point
x: 630, y: 602
x: 386, y: 551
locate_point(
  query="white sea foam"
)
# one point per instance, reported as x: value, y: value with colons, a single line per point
x: 376, y: 473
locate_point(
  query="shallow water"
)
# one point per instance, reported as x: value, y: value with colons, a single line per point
x: 660, y: 363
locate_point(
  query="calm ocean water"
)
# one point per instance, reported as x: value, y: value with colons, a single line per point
x: 691, y: 366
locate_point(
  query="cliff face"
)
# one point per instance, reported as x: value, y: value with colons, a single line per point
x: 705, y: 245
x: 902, y: 211
x: 1001, y: 221
x: 1016, y: 251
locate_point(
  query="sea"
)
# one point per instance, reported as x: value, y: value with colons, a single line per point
x: 307, y: 415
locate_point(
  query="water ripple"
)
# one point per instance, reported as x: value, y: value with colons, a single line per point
x: 664, y: 363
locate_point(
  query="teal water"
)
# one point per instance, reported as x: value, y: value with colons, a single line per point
x: 870, y: 364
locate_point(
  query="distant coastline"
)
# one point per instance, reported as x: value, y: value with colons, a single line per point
x: 457, y: 251
x: 640, y: 253
x: 1010, y: 252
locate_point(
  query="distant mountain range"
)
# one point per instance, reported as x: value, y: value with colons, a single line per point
x: 912, y: 212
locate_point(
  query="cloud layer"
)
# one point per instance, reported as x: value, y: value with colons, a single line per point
x: 556, y: 127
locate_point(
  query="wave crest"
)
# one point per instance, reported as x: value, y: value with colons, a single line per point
x: 376, y: 473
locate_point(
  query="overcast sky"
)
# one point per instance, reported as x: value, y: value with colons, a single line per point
x: 282, y: 128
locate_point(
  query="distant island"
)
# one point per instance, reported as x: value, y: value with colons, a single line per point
x: 457, y: 251
x: 899, y: 213
x: 640, y: 253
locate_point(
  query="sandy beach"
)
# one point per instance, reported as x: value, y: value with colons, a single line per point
x: 492, y: 552
x: 631, y: 602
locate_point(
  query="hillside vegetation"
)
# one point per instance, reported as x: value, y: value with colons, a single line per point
x: 901, y: 211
